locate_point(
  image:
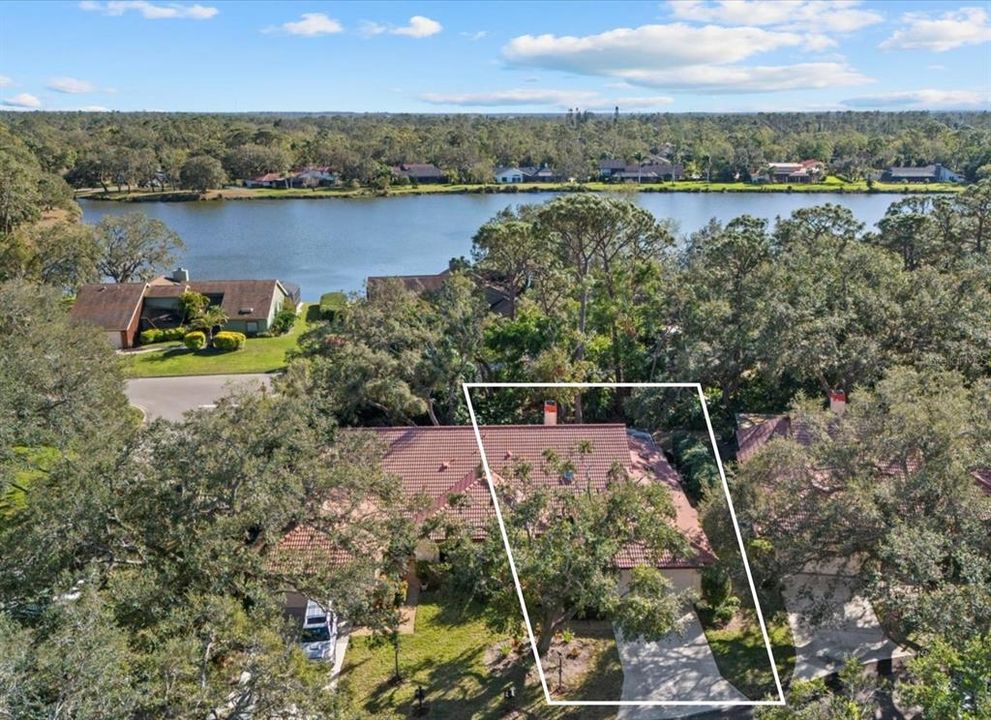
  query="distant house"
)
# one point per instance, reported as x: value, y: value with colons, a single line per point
x: 807, y: 171
x: 312, y: 176
x: 443, y: 462
x: 657, y: 170
x: 420, y: 173
x: 268, y: 180
x: 123, y: 310
x: 507, y: 175
x: 608, y: 167
x: 927, y: 173
x: 497, y: 300
x: 543, y: 173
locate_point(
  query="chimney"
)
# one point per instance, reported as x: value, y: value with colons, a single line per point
x: 550, y: 412
x: 180, y: 275
x: 837, y: 401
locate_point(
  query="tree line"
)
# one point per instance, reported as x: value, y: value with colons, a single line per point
x: 196, y: 151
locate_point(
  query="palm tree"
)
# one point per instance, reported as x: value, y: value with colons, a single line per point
x: 207, y: 319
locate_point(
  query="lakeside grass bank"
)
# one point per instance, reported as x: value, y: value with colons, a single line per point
x: 830, y: 185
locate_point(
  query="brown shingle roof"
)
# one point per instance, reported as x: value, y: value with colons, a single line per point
x: 242, y: 299
x: 110, y: 306
x: 418, y: 284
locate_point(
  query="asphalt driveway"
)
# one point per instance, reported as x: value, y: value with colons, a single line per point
x: 679, y: 667
x: 171, y: 397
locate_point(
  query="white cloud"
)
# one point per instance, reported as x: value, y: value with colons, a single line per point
x: 647, y: 46
x: 586, y: 99
x: 953, y: 29
x: 150, y: 10
x: 747, y: 79
x: 72, y: 86
x: 29, y: 102
x: 811, y: 15
x: 497, y: 98
x: 929, y: 99
x: 475, y: 36
x: 5, y: 81
x: 93, y: 108
x: 680, y: 56
x: 310, y: 25
x: 418, y: 27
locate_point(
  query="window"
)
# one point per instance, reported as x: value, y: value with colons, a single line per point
x: 251, y: 326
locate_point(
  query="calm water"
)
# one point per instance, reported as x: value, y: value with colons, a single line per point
x: 334, y: 244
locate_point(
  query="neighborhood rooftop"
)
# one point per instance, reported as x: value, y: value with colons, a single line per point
x: 443, y: 464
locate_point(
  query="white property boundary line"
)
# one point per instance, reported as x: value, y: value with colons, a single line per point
x: 466, y: 387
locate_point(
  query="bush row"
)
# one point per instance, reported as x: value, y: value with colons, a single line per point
x: 156, y: 335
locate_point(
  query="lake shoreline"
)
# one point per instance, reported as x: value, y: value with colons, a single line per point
x: 239, y: 193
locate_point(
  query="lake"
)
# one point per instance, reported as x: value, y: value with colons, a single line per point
x: 334, y: 244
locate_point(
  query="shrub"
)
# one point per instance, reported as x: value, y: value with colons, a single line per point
x: 285, y: 318
x: 693, y: 459
x: 228, y: 340
x: 331, y: 304
x: 149, y: 336
x: 176, y: 333
x: 195, y: 340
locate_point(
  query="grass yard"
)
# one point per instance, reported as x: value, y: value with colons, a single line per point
x: 259, y: 355
x: 829, y: 184
x: 742, y: 657
x: 464, y: 668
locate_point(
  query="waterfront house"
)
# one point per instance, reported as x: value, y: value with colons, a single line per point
x: 927, y: 173
x: 497, y: 300
x: 543, y: 173
x: 312, y: 176
x: 806, y: 171
x: 656, y: 170
x: 420, y: 173
x: 123, y: 310
x: 508, y: 175
x: 268, y: 180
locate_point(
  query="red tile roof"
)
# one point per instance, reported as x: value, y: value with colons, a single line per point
x: 110, y: 306
x: 442, y: 463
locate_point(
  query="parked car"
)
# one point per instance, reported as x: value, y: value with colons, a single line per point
x: 319, y: 634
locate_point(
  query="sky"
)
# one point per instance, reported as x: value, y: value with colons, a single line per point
x: 497, y: 57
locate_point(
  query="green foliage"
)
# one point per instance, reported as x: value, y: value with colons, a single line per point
x: 202, y: 172
x: 951, y: 681
x: 135, y: 247
x: 332, y: 304
x: 695, y: 463
x: 285, y: 318
x: 227, y: 340
x: 192, y: 304
x: 195, y: 340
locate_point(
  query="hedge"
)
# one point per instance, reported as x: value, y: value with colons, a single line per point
x: 228, y: 340
x: 195, y: 340
x: 156, y: 335
x: 332, y: 303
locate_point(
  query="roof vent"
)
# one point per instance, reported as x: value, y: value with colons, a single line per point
x: 245, y: 310
x: 508, y: 455
x: 445, y: 465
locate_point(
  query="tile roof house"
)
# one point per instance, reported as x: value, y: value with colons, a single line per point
x: 268, y: 180
x: 442, y: 467
x: 806, y: 171
x: 122, y: 310
x: 653, y: 171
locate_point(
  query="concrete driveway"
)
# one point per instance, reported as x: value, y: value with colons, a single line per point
x: 679, y: 667
x: 829, y: 623
x: 171, y: 397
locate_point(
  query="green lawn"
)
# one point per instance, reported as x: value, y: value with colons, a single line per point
x: 450, y: 654
x: 742, y: 657
x: 830, y: 184
x: 259, y: 355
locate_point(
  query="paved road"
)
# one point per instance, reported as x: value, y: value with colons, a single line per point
x: 678, y: 667
x: 170, y: 397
